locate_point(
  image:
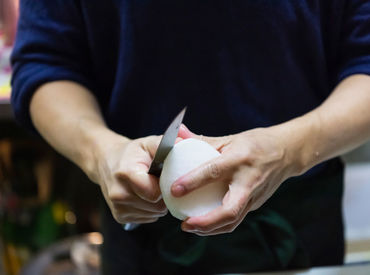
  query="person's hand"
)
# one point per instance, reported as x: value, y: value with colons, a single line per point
x: 253, y: 164
x: 121, y: 170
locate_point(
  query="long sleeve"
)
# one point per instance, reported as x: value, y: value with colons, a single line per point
x: 51, y: 44
x: 354, y: 57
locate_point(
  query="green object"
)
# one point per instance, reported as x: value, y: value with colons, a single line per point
x: 264, y: 240
x: 180, y: 248
x: 298, y: 227
x: 41, y: 230
x: 46, y: 229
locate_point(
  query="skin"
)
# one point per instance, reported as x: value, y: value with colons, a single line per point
x: 253, y: 163
x: 68, y: 117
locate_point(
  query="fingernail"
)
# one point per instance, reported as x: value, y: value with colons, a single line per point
x: 184, y: 127
x: 178, y: 190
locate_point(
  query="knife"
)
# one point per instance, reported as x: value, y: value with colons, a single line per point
x: 165, y: 146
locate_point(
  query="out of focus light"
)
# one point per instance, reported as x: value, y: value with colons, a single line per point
x: 95, y: 238
x: 70, y: 217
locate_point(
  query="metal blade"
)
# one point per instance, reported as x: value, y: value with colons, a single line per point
x: 166, y: 144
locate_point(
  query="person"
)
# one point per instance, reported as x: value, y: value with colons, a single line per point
x: 280, y: 88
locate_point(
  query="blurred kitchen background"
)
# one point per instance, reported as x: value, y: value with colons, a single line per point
x: 45, y: 202
x: 48, y: 207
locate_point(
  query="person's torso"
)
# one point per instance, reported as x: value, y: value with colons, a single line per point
x: 237, y: 65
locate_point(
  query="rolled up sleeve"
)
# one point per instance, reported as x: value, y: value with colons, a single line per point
x: 51, y: 45
x: 355, y: 43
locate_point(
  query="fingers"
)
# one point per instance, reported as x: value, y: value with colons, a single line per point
x: 213, y: 170
x: 140, y: 204
x: 144, y: 185
x: 134, y: 211
x: 133, y: 215
x: 223, y: 230
x: 217, y: 142
x: 127, y: 207
x: 185, y: 133
x: 122, y: 192
x: 150, y: 144
x: 178, y: 139
x: 131, y: 193
x: 223, y: 219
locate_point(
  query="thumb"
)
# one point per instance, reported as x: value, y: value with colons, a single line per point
x: 185, y: 133
x: 216, y: 142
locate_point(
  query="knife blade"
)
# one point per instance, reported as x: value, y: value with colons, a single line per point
x: 165, y: 146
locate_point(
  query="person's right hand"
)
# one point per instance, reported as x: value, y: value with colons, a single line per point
x: 121, y: 170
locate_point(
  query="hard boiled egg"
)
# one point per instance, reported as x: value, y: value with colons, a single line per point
x: 184, y: 157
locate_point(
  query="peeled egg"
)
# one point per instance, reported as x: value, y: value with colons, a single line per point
x: 184, y: 157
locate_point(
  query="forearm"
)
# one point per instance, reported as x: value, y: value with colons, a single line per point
x: 340, y: 124
x: 254, y: 163
x: 67, y: 115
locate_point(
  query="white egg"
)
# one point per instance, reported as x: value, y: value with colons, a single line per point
x: 184, y: 157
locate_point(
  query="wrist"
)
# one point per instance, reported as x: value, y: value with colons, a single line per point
x: 98, y: 141
x: 299, y: 138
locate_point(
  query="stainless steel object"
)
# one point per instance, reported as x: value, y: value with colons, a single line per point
x: 165, y: 146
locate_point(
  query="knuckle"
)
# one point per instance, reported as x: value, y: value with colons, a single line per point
x: 232, y: 214
x: 120, y: 218
x: 153, y: 196
x: 161, y: 207
x: 122, y: 175
x: 241, y: 155
x: 257, y: 177
x: 249, y: 156
x: 213, y: 171
x: 117, y: 197
x: 205, y: 228
x: 126, y: 173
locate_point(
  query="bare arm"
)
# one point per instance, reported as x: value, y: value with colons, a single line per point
x: 67, y: 115
x: 340, y: 124
x: 254, y: 163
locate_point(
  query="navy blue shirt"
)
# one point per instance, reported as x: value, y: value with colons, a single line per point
x: 236, y: 64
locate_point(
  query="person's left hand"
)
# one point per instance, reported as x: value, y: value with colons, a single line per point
x: 253, y: 164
